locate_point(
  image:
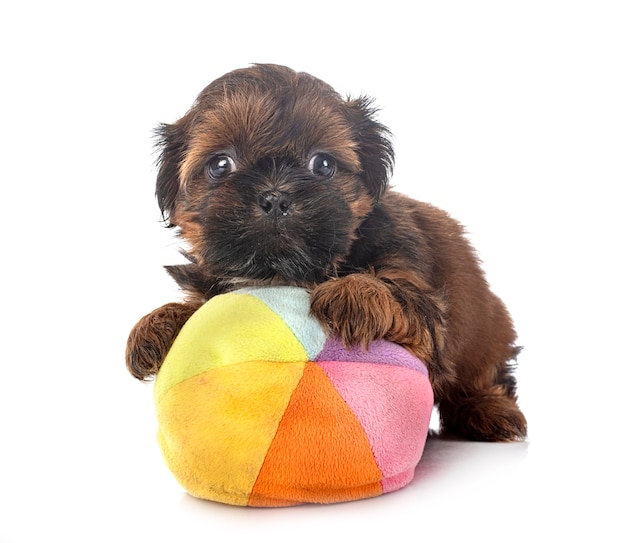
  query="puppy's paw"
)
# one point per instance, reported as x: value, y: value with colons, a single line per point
x: 358, y: 308
x: 151, y: 338
x: 484, y: 418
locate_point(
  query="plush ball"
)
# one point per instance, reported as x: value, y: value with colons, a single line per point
x: 257, y: 406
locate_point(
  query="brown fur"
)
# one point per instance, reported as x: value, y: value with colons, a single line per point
x: 304, y: 201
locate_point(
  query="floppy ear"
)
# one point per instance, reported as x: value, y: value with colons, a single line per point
x: 375, y: 148
x: 171, y: 141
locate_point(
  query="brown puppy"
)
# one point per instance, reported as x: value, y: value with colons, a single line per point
x: 273, y: 178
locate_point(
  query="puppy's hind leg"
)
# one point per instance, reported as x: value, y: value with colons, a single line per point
x: 485, y: 411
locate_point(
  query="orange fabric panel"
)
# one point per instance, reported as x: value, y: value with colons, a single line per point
x: 333, y: 460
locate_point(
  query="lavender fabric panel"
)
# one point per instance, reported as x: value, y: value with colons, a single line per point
x: 380, y: 352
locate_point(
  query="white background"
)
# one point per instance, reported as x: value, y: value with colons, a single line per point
x: 510, y: 115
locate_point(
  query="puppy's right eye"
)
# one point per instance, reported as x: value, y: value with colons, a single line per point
x: 219, y: 167
x: 322, y: 165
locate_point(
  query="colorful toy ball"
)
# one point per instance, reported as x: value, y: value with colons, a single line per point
x: 257, y: 406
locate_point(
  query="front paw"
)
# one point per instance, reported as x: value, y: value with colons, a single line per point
x: 151, y: 338
x: 358, y: 308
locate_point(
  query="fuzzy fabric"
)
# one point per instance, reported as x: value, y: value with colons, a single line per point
x: 257, y: 406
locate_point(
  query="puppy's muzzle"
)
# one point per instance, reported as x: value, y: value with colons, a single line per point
x: 275, y: 203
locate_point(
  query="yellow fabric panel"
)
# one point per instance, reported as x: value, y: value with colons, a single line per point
x: 228, y: 329
x: 217, y: 427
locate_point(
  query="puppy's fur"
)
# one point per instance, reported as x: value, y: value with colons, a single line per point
x: 273, y: 178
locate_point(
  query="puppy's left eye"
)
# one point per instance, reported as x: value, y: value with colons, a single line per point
x: 322, y: 165
x: 219, y: 166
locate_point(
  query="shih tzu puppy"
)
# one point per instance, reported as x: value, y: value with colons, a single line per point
x: 273, y: 178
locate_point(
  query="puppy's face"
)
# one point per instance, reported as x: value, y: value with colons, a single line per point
x: 270, y: 174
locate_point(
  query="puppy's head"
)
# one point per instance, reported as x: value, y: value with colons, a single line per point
x: 269, y: 175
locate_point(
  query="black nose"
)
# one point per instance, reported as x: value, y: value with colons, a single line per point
x: 275, y: 203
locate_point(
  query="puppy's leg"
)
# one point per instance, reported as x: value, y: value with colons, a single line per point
x: 482, y: 403
x: 151, y: 338
x: 363, y: 307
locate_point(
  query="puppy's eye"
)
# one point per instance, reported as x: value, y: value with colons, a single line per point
x: 323, y: 165
x: 219, y: 167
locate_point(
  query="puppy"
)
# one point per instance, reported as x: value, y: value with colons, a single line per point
x: 273, y: 178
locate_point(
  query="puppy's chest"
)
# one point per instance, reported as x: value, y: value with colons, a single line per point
x: 376, y: 241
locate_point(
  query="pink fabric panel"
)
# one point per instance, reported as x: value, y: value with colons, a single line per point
x: 393, y: 405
